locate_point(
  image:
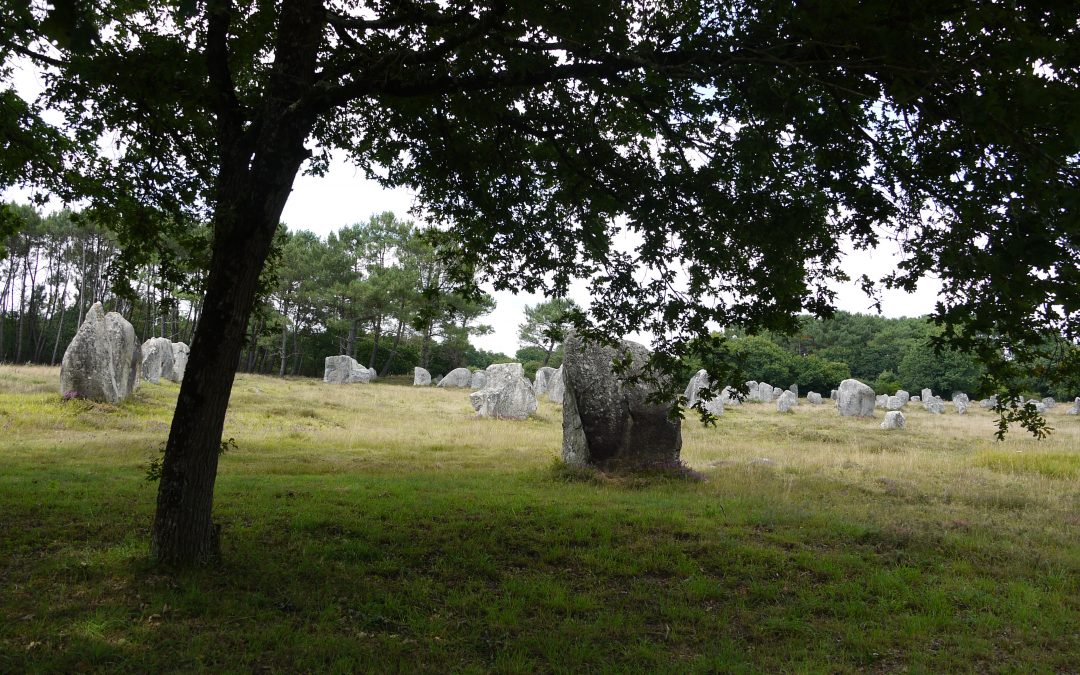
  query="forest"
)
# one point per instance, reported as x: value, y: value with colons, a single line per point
x: 374, y: 290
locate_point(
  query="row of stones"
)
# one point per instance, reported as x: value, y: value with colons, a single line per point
x: 105, y: 361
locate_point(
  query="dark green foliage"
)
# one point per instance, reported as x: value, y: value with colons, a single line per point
x: 945, y: 371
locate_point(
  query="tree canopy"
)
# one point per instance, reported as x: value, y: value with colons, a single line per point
x: 738, y: 145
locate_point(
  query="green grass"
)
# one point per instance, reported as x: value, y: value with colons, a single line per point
x: 384, y: 528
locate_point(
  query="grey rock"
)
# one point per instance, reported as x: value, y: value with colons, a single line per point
x: 478, y: 380
x: 543, y: 379
x: 813, y: 398
x: 894, y: 419
x: 934, y: 405
x: 180, y: 354
x: 894, y: 403
x: 786, y: 401
x: 608, y: 422
x: 458, y: 377
x: 960, y: 396
x: 421, y: 377
x: 926, y: 395
x: 961, y: 406
x: 556, y: 388
x: 916, y: 399
x: 506, y: 395
x: 855, y: 399
x: 1049, y: 402
x: 1039, y: 406
x: 104, y: 360
x: 776, y: 391
x: 715, y: 405
x: 1075, y: 409
x: 794, y: 389
x: 344, y: 369
x: 880, y: 400
x: 157, y: 359
x: 903, y: 396
x: 833, y: 395
x: 988, y: 402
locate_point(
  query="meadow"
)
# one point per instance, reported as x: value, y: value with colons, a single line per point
x: 384, y: 528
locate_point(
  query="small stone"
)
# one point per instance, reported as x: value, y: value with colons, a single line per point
x: 894, y: 419
x: 855, y: 399
x: 344, y: 369
x: 813, y: 398
x: 181, y: 352
x: 458, y: 377
x: 786, y: 401
x: 556, y: 388
x: 506, y: 395
x: 916, y: 399
x: 543, y: 379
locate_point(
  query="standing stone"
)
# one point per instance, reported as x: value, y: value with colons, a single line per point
x: 543, y: 379
x: 180, y: 354
x: 607, y: 422
x: 699, y: 381
x: 478, y: 380
x: 934, y: 405
x: 855, y: 399
x: 786, y: 401
x: 813, y: 398
x: 421, y: 377
x: 1075, y: 409
x: 916, y: 399
x: 1039, y: 406
x: 893, y: 420
x: 833, y: 394
x: 458, y: 377
x: 506, y: 395
x: 880, y: 400
x: 766, y: 392
x: 715, y: 405
x: 1049, y: 402
x: 794, y: 389
x: 104, y: 359
x: 776, y: 391
x: 960, y: 396
x: 157, y: 359
x: 988, y: 402
x: 961, y: 406
x: 556, y: 389
x: 894, y: 403
x: 926, y: 395
x: 728, y: 396
x: 903, y: 396
x: 752, y: 391
x: 344, y: 369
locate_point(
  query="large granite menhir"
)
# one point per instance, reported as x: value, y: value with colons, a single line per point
x: 458, y: 377
x: 855, y: 399
x: 104, y: 359
x: 158, y: 360
x: 344, y: 369
x: 506, y: 395
x: 608, y: 423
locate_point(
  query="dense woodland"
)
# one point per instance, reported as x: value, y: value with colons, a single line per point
x: 374, y: 290
x: 378, y: 292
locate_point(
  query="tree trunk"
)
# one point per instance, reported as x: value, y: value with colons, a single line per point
x: 547, y: 355
x: 376, y: 334
x: 60, y: 328
x: 251, y: 191
x: 393, y: 349
x: 350, y: 344
x: 284, y: 342
x: 425, y: 347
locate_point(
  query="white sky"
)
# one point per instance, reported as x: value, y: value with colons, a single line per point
x: 344, y: 196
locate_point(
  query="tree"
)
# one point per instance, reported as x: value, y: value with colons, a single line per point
x: 546, y: 324
x: 733, y: 140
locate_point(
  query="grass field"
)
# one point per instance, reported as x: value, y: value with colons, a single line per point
x: 384, y: 528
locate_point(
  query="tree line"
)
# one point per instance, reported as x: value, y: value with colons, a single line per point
x: 376, y: 291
